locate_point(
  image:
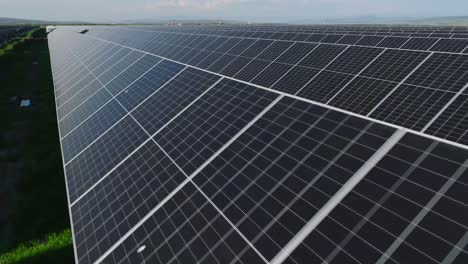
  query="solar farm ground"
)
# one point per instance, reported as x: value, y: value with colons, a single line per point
x: 32, y: 193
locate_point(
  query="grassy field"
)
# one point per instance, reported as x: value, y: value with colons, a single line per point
x: 54, y: 249
x: 32, y: 187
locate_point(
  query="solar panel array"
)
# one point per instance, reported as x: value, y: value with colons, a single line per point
x: 264, y: 144
x: 8, y: 33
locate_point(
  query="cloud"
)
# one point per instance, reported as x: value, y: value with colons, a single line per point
x: 201, y: 5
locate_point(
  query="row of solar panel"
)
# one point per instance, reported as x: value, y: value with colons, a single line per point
x: 285, y: 32
x: 200, y: 168
x: 407, y: 88
x: 449, y: 32
x: 350, y: 27
x: 413, y: 43
x: 7, y: 33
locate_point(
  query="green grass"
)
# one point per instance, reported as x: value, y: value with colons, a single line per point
x: 39, y: 204
x: 52, y: 250
x: 13, y: 42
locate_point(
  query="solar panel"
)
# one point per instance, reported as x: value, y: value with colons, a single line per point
x: 264, y: 143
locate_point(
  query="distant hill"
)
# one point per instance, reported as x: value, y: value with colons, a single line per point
x: 20, y: 21
x: 455, y: 20
x: 8, y: 21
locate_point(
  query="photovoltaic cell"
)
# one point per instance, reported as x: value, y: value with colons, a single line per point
x: 131, y: 74
x: 167, y: 102
x: 419, y: 43
x: 150, y: 82
x: 447, y: 72
x: 450, y: 45
x: 349, y: 39
x: 76, y: 140
x: 362, y: 95
x: 296, y: 53
x: 321, y: 56
x: 316, y: 37
x: 331, y: 38
x: 209, y: 60
x: 83, y: 111
x: 255, y: 49
x: 271, y: 74
x: 101, y: 156
x: 295, y: 79
x: 412, y: 106
x: 123, y: 198
x: 63, y: 95
x: 187, y: 229
x: 354, y: 59
x: 235, y: 66
x: 370, y: 40
x: 274, y: 50
x: 68, y: 105
x: 251, y: 70
x: 392, y: 42
x: 324, y: 86
x: 394, y: 65
x: 401, y: 205
x: 222, y: 62
x: 211, y: 121
x: 241, y: 46
x: 452, y: 124
x: 285, y: 167
x: 118, y: 67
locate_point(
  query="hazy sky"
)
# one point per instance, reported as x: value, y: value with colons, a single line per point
x: 279, y: 10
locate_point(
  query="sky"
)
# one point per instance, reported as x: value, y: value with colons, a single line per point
x: 254, y: 10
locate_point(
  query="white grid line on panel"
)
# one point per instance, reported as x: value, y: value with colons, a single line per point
x: 456, y: 250
x: 378, y: 43
x: 189, y: 179
x: 399, y: 84
x: 323, y: 69
x: 377, y: 206
x: 441, y: 111
x: 404, y: 43
x: 104, y: 59
x: 214, y: 51
x: 75, y: 74
x: 117, y: 75
x: 338, y: 197
x: 66, y: 187
x: 113, y: 124
x: 89, y: 83
x: 315, y: 102
x: 418, y: 218
x: 295, y: 65
x: 355, y: 76
x: 70, y: 68
x: 270, y: 62
x: 142, y: 144
x: 297, y: 197
x: 435, y: 43
x: 465, y: 50
x: 64, y: 90
x: 112, y: 97
x: 239, y: 55
x: 214, y: 205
